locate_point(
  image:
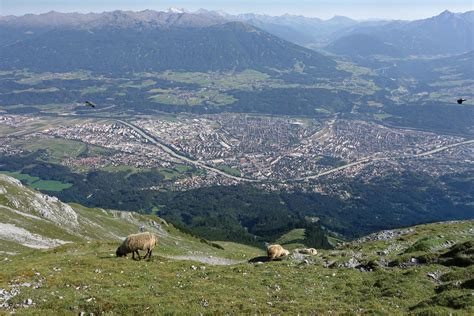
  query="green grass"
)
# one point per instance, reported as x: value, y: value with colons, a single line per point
x: 139, y: 85
x: 168, y: 173
x: 382, y: 116
x: 175, y: 172
x: 182, y: 168
x: 334, y: 241
x: 60, y: 148
x: 85, y: 276
x: 88, y: 277
x: 21, y: 176
x: 36, y: 78
x: 295, y: 235
x: 37, y: 183
x: 232, y: 80
x: 50, y: 185
x: 190, y: 98
x: 229, y: 170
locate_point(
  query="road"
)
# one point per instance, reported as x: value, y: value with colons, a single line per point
x: 179, y: 156
x: 434, y: 151
x: 200, y: 164
x: 370, y: 160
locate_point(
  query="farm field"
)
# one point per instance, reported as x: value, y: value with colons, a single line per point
x: 37, y: 183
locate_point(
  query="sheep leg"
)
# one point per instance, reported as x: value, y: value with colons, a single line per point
x: 148, y: 254
x: 138, y: 254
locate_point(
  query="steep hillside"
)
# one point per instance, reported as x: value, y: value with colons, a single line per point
x: 422, y: 269
x: 362, y: 45
x: 31, y: 220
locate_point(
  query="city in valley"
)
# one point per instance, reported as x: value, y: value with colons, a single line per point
x: 226, y: 149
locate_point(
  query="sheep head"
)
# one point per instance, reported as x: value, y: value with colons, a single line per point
x: 120, y: 253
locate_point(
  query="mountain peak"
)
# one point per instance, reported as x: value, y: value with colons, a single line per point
x: 446, y: 12
x: 176, y: 10
x: 341, y: 19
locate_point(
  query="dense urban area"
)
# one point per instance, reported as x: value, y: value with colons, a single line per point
x: 268, y: 151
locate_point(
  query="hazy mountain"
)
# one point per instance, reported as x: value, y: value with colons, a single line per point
x: 446, y: 33
x: 148, y: 41
x: 28, y: 26
x: 432, y: 70
x: 298, y: 29
x: 362, y: 45
x: 151, y: 18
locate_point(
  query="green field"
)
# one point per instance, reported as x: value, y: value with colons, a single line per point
x: 190, y: 98
x: 58, y: 149
x: 229, y: 170
x: 295, y: 235
x: 50, y: 185
x: 168, y: 173
x: 26, y: 178
x: 37, y: 183
x: 382, y: 116
x: 231, y: 80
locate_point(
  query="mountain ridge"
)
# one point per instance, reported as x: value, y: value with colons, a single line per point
x: 446, y: 33
x: 217, y: 47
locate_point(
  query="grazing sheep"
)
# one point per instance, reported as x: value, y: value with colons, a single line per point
x: 308, y: 251
x: 276, y: 251
x: 133, y: 243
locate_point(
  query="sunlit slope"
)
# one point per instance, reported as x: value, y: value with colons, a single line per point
x: 426, y: 268
x: 87, y: 277
x: 31, y: 220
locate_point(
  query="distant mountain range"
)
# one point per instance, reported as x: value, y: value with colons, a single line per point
x: 446, y: 33
x: 148, y: 41
x: 298, y: 29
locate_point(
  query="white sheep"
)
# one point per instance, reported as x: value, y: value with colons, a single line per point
x: 276, y: 251
x: 133, y: 243
x: 308, y: 251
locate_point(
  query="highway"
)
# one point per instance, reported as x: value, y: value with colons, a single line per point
x: 370, y: 160
x: 179, y: 156
x: 200, y: 164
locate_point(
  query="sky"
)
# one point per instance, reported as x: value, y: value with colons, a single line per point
x: 357, y: 9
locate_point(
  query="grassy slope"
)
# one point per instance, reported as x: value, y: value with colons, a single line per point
x: 86, y: 276
x: 91, y: 279
x: 94, y: 224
